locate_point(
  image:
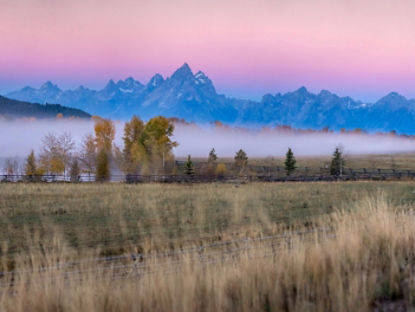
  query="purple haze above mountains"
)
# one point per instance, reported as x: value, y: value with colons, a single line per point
x: 352, y: 47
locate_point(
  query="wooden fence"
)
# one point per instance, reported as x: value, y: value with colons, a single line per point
x: 300, y: 175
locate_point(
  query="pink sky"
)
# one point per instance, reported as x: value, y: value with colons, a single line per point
x: 363, y: 48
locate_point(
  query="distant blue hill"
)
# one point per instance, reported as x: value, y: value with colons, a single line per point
x: 194, y: 98
x: 12, y: 109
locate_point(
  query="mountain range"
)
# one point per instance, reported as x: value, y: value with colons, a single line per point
x: 194, y: 98
x: 11, y: 109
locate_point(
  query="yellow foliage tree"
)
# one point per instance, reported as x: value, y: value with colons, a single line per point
x: 148, y: 147
x: 104, y: 134
x: 220, y: 170
x: 157, y: 141
x: 134, y: 153
x: 30, y: 167
x: 56, y: 152
x: 56, y: 165
x: 103, y: 172
x: 32, y: 172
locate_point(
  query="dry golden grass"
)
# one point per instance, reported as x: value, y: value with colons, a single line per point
x: 349, y: 260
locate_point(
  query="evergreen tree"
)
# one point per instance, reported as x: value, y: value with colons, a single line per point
x: 74, y: 170
x: 188, y: 166
x: 212, y: 157
x: 337, y: 163
x: 241, y: 160
x: 290, y: 162
x: 209, y: 169
x: 102, y: 167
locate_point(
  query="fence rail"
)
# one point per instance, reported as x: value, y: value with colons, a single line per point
x: 301, y: 175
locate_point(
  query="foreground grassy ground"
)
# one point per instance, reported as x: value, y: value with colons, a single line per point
x: 119, y: 218
x: 361, y: 258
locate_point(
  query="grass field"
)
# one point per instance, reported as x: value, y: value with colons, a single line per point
x: 399, y: 161
x: 386, y: 161
x: 207, y: 247
x: 119, y: 216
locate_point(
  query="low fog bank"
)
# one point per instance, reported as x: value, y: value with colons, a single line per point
x: 198, y: 140
x: 18, y: 138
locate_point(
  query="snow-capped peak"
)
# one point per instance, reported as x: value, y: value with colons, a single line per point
x: 129, y: 85
x: 201, y: 78
x: 155, y: 81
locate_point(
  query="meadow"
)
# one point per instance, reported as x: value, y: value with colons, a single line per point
x: 209, y: 247
x: 117, y: 217
x: 397, y: 161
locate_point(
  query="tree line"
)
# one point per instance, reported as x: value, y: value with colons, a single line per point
x: 147, y: 150
x: 240, y: 164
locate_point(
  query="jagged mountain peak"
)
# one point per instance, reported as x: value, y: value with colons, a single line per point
x: 110, y: 84
x: 129, y: 85
x: 110, y: 89
x: 130, y: 80
x: 394, y: 101
x: 326, y: 93
x: 185, y: 66
x: 300, y: 93
x: 48, y: 85
x: 201, y: 78
x: 328, y: 98
x: 200, y: 74
x: 267, y: 98
x: 182, y: 73
x: 80, y: 88
x: 393, y: 96
x: 302, y: 90
x: 155, y: 81
x: 27, y: 88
